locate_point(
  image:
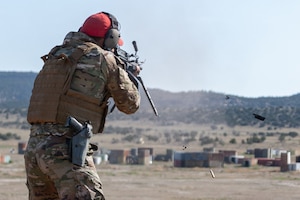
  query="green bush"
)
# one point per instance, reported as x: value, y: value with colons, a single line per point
x: 9, y: 136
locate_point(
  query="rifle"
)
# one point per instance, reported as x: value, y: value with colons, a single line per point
x: 131, y: 62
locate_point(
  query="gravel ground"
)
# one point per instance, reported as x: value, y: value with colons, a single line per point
x: 162, y: 181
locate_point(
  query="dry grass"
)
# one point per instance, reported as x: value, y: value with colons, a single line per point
x: 161, y: 180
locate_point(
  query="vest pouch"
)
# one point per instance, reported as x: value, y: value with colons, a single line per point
x: 80, y: 107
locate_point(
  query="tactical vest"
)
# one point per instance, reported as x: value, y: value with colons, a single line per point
x: 52, y: 99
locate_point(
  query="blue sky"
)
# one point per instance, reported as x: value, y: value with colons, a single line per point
x: 248, y: 48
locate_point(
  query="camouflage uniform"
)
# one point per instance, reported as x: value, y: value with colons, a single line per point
x: 50, y: 174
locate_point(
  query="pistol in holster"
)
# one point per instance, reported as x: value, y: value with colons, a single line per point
x: 80, y: 141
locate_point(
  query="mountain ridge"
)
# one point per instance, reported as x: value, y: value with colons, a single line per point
x: 205, y: 107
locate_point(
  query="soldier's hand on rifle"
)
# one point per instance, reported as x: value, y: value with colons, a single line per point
x: 137, y: 70
x: 134, y: 69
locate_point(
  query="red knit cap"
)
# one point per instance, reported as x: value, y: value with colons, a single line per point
x: 97, y: 25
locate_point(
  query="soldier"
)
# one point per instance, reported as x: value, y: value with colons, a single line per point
x: 77, y: 79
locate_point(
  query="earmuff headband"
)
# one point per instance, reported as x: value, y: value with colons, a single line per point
x: 114, y: 22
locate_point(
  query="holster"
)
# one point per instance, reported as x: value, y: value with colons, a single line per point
x: 79, y: 143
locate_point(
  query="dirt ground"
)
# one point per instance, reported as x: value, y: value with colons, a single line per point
x: 161, y: 180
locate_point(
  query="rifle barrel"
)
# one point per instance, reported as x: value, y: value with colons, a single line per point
x: 148, y: 96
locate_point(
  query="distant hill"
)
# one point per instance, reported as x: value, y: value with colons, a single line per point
x: 188, y: 107
x: 15, y: 89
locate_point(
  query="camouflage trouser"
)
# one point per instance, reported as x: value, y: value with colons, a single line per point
x: 51, y: 175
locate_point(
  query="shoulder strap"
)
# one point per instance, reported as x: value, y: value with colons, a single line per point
x: 79, y: 51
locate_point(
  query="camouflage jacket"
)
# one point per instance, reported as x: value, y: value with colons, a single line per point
x: 111, y: 78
